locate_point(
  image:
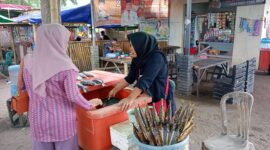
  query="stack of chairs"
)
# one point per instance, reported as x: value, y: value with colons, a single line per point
x: 241, y: 79
x: 233, y: 82
x: 250, y: 75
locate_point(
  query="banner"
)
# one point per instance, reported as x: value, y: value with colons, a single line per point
x: 134, y: 11
x: 215, y: 4
x: 107, y: 12
x: 156, y: 27
x: 251, y: 26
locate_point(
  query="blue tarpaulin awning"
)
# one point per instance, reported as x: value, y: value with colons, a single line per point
x: 80, y: 14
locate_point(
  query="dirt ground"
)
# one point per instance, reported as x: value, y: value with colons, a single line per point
x: 207, y: 118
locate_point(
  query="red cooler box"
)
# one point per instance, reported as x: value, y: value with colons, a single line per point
x: 94, y: 126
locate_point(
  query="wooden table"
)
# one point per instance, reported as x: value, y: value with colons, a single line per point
x: 116, y: 62
x: 201, y: 66
x: 170, y: 49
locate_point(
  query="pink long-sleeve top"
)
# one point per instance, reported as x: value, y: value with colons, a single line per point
x: 53, y: 118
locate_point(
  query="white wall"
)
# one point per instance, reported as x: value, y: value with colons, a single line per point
x: 176, y: 23
x: 266, y: 16
x: 246, y: 46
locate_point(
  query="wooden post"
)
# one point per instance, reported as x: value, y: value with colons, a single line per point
x: 54, y: 11
x: 50, y: 11
x: 45, y: 11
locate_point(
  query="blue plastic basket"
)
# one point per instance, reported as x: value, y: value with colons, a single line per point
x: 184, y: 145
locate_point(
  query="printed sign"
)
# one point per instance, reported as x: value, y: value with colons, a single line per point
x: 107, y: 12
x: 134, y: 11
x: 158, y: 28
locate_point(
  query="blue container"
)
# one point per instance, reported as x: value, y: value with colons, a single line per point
x: 13, y: 90
x: 184, y: 145
x: 13, y: 77
x: 13, y: 73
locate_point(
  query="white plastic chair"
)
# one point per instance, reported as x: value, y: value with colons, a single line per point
x: 244, y: 102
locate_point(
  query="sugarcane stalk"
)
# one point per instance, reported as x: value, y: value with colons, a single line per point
x: 159, y: 139
x: 180, y: 118
x: 143, y: 118
x: 162, y: 113
x: 164, y: 128
x: 140, y: 123
x: 135, y: 130
x: 189, y: 115
x: 149, y: 117
x: 185, y: 133
x: 138, y: 133
x: 169, y: 113
x: 176, y: 121
x: 177, y: 113
x: 142, y: 136
x: 186, y: 119
x: 155, y: 116
x: 173, y: 130
x: 172, y: 137
x: 168, y: 121
x: 162, y: 120
x: 187, y: 125
x: 150, y: 124
x: 160, y: 134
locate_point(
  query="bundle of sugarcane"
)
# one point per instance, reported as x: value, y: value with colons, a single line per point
x: 165, y: 128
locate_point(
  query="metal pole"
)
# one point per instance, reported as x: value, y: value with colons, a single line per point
x: 93, y: 23
x: 188, y: 26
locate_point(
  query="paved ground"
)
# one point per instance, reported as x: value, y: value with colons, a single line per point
x: 207, y: 119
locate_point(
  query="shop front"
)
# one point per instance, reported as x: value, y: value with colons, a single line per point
x: 227, y: 28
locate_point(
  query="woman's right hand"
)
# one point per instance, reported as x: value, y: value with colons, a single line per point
x: 95, y: 102
x: 112, y: 93
x: 119, y: 86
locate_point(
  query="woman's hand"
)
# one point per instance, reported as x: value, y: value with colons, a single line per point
x: 126, y: 103
x: 112, y: 93
x: 95, y: 102
x: 119, y: 86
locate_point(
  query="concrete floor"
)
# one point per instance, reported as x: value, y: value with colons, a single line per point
x: 207, y: 118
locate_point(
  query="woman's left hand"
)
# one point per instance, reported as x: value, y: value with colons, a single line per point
x: 126, y: 103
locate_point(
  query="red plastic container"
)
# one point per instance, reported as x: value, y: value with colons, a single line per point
x: 264, y: 60
x: 93, y: 126
x: 193, y: 51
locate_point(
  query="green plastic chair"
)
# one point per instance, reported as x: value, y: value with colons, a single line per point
x: 6, y: 62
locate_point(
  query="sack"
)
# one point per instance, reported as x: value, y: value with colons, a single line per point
x: 20, y: 102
